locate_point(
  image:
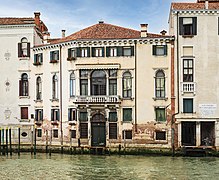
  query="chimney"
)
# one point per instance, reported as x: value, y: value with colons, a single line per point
x: 46, y: 37
x: 63, y: 33
x: 37, y: 18
x: 206, y: 4
x: 163, y: 33
x: 144, y: 30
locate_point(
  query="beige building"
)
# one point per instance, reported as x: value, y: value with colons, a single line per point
x: 195, y: 26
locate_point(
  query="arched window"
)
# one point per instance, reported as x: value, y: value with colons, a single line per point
x: 160, y: 84
x: 24, y: 85
x: 24, y: 48
x: 127, y: 85
x: 98, y: 82
x: 72, y: 84
x: 55, y: 87
x: 38, y: 88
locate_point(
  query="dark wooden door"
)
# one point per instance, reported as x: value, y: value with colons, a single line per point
x: 98, y: 134
x: 189, y: 133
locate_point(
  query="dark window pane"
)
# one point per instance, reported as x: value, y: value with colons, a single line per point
x: 73, y: 133
x: 127, y: 134
x: 55, y: 133
x: 112, y: 116
x: 83, y: 116
x: 160, y: 114
x: 188, y: 105
x: 160, y: 135
x: 113, y: 131
x: 39, y: 132
x: 83, y: 130
x: 127, y: 114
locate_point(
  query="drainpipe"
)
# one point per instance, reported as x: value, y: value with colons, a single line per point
x: 61, y: 98
x: 135, y: 122
x: 177, y: 67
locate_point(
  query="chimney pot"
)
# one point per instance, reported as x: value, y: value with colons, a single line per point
x: 37, y: 18
x: 144, y: 29
x: 163, y: 32
x: 63, y: 33
x: 101, y: 22
x: 206, y: 4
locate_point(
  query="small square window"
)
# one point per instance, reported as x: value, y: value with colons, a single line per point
x: 160, y: 114
x: 83, y: 116
x: 127, y: 134
x: 188, y: 105
x: 72, y: 114
x: 55, y: 133
x: 112, y: 116
x: 159, y: 50
x: 24, y: 112
x: 127, y: 114
x: 161, y: 135
x: 127, y: 51
x: 39, y: 132
x: 73, y: 133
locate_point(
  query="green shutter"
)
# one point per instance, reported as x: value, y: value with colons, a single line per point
x: 103, y: 53
x: 88, y: 52
x: 154, y: 50
x: 69, y: 114
x: 35, y: 58
x: 58, y: 115
x: 51, y: 55
x: 69, y: 52
x: 107, y: 51
x: 181, y: 26
x: 41, y: 115
x: 57, y: 54
x: 41, y: 54
x: 78, y: 52
x: 93, y: 51
x: 132, y: 50
x: 194, y: 25
x: 36, y: 115
x: 119, y: 51
x: 28, y: 49
x: 52, y: 117
x: 165, y: 49
x: 19, y: 50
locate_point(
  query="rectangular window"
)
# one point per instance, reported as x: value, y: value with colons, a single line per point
x: 159, y: 50
x: 73, y: 133
x: 127, y: 134
x: 24, y: 48
x: 112, y: 130
x: 83, y: 52
x: 84, y: 130
x: 54, y: 56
x: 72, y: 114
x: 83, y: 87
x: 187, y: 70
x: 38, y: 59
x: 127, y: 114
x: 160, y: 135
x: 127, y: 51
x: 71, y: 52
x: 98, y: 52
x: 112, y: 116
x: 111, y: 51
x: 83, y: 116
x: 188, y: 25
x: 39, y: 114
x: 112, y: 87
x: 24, y: 112
x: 160, y: 114
x: 55, y: 115
x: 188, y: 51
x: 39, y: 132
x: 188, y: 105
x: 55, y: 133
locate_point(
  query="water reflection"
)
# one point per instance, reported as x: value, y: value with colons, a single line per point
x: 58, y: 166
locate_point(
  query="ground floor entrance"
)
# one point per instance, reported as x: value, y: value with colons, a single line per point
x: 98, y: 130
x: 188, y: 133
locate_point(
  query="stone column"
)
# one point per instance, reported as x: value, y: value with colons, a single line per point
x: 179, y: 134
x: 198, y: 133
x: 89, y: 125
x: 107, y: 125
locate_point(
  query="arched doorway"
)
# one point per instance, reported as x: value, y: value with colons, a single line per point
x: 98, y: 83
x: 98, y: 130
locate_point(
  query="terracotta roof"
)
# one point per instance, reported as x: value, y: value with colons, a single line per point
x: 104, y: 31
x: 16, y: 21
x: 194, y: 6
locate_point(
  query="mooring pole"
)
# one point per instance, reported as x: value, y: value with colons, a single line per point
x: 71, y: 142
x: 32, y: 140
x: 0, y: 141
x: 19, y: 140
x: 35, y: 140
x: 50, y: 143
x: 46, y: 141
x: 10, y: 142
x: 6, y: 140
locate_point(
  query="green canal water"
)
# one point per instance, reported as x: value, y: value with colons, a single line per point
x: 42, y: 166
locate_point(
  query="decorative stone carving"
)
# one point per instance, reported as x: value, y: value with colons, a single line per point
x: 7, y: 56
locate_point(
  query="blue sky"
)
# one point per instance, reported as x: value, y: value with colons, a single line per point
x: 73, y: 15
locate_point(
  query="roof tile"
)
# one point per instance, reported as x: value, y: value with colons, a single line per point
x: 194, y: 6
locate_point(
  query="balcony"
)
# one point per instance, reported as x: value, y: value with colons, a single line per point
x: 188, y: 87
x: 97, y: 99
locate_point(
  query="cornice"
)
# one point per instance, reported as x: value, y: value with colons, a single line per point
x: 200, y: 11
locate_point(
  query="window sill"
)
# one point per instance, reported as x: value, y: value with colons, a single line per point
x: 39, y: 100
x: 24, y: 120
x: 188, y: 114
x: 72, y: 122
x: 55, y: 122
x: 53, y: 61
x: 156, y: 98
x: 37, y: 63
x: 54, y: 100
x: 128, y: 98
x: 39, y: 122
x: 24, y: 58
x: 188, y: 36
x: 24, y: 97
x: 71, y: 58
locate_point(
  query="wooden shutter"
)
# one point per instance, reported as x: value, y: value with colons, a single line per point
x: 36, y: 115
x: 41, y: 55
x: 165, y: 49
x: 132, y: 50
x: 28, y: 49
x: 19, y: 50
x: 69, y: 52
x: 51, y: 55
x: 78, y: 52
x: 112, y: 130
x: 194, y: 25
x: 107, y: 51
x: 154, y: 50
x: 103, y: 53
x: 69, y: 114
x: 119, y: 51
x: 93, y: 52
x: 83, y: 130
x: 181, y: 26
x: 52, y: 114
x: 35, y: 58
x: 88, y: 52
x: 20, y: 88
x: 41, y: 114
x: 24, y: 112
x: 58, y: 115
x: 57, y: 54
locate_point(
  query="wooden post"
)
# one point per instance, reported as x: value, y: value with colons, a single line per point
x: 10, y: 142
x: 46, y: 141
x: 50, y: 143
x: 3, y: 142
x: 70, y: 141
x: 0, y: 141
x: 19, y: 140
x: 32, y: 140
x: 6, y: 140
x: 35, y: 140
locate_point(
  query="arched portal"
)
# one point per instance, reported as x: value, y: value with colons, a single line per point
x: 98, y: 130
